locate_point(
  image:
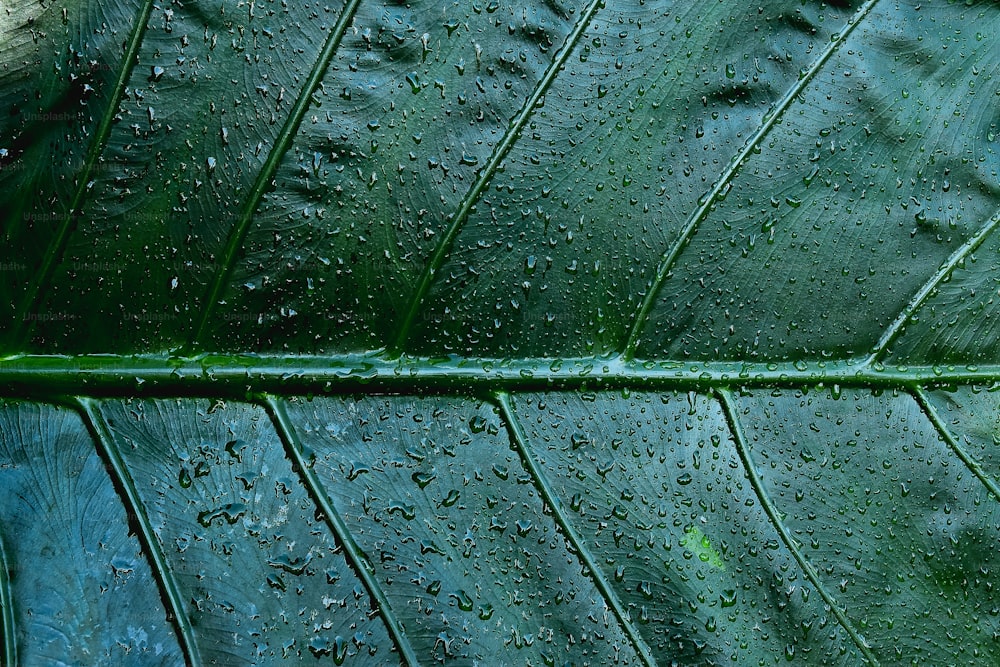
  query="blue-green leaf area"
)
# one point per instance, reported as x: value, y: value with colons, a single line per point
x: 656, y: 486
x: 262, y: 577
x: 451, y: 521
x: 81, y: 588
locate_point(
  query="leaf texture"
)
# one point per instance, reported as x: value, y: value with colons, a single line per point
x: 81, y: 590
x: 500, y: 333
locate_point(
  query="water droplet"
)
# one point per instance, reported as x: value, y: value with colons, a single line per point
x: 408, y: 512
x: 428, y: 547
x: 477, y: 424
x: 339, y: 650
x: 320, y: 646
x: 464, y: 601
x: 423, y: 478
x: 235, y: 449
x: 356, y: 470
x: 451, y: 498
x: 645, y: 588
x: 414, y: 82
x: 291, y: 564
x: 231, y: 512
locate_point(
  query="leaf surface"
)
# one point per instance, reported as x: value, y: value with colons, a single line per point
x: 81, y: 590
x: 508, y: 333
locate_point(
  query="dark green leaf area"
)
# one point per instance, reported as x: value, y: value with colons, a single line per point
x: 958, y: 322
x: 57, y: 83
x: 899, y: 530
x: 851, y: 203
x: 654, y: 103
x: 972, y: 416
x: 199, y: 114
x: 407, y: 116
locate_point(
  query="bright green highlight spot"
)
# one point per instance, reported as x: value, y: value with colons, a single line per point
x: 696, y: 541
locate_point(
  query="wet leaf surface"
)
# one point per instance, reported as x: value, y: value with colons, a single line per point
x: 500, y: 333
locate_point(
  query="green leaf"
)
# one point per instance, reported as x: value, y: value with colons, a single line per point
x: 500, y: 333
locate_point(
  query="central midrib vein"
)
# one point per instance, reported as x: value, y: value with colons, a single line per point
x: 234, y: 375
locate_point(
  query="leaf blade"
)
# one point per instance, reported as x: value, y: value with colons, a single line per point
x: 355, y: 556
x: 176, y: 609
x: 856, y: 488
x: 691, y: 226
x: 80, y: 584
x: 840, y: 259
x: 483, y: 176
x: 552, y: 500
x: 9, y: 634
x: 468, y: 556
x: 894, y: 330
x: 924, y: 401
x: 263, y: 180
x: 223, y: 498
x: 57, y: 245
x: 751, y: 471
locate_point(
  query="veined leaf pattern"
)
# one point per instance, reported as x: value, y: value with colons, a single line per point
x: 500, y: 333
